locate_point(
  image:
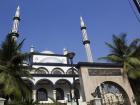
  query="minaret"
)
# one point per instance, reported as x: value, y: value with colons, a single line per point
x: 16, y: 19
x: 86, y: 41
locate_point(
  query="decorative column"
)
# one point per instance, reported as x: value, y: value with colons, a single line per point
x: 72, y: 95
x: 68, y: 97
x: 34, y: 94
x: 54, y: 94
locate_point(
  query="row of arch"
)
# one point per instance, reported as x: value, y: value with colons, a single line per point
x: 42, y: 94
x: 49, y: 82
x: 110, y: 92
x: 42, y: 70
x: 44, y: 89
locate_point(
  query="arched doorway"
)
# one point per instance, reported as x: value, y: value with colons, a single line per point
x: 44, y: 89
x: 63, y: 89
x: 59, y: 94
x: 111, y: 94
x: 42, y: 94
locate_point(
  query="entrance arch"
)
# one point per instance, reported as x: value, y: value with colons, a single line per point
x: 44, y: 89
x: 111, y: 94
x: 59, y: 94
x: 42, y: 94
x: 63, y: 88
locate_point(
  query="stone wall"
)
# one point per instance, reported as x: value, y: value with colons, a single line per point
x: 90, y: 80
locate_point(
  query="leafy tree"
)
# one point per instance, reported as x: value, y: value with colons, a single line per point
x: 12, y: 70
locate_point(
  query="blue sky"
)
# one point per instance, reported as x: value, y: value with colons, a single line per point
x: 54, y: 24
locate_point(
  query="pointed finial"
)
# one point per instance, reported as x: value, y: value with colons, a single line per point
x: 32, y: 48
x: 17, y: 14
x: 82, y: 22
x: 65, y: 51
x: 16, y: 20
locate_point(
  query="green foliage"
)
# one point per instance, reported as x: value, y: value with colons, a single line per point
x: 127, y: 54
x: 12, y: 70
x: 135, y: 84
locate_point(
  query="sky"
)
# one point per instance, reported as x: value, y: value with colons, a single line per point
x: 55, y: 24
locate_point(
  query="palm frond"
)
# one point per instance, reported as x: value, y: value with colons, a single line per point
x: 113, y: 58
x: 19, y: 46
x: 133, y: 61
x: 124, y: 53
x: 12, y: 69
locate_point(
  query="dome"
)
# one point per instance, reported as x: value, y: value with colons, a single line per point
x: 47, y: 52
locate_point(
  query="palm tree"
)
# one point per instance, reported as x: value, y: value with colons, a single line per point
x: 126, y: 54
x: 129, y: 56
x: 12, y: 70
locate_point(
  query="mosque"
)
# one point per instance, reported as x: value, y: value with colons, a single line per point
x: 55, y: 77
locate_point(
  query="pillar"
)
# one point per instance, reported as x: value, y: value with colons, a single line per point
x: 68, y: 97
x: 54, y: 94
x: 34, y: 95
x: 72, y: 95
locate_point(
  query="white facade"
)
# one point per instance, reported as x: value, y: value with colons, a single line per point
x: 52, y: 78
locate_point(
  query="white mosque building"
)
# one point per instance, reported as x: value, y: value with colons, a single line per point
x: 55, y: 77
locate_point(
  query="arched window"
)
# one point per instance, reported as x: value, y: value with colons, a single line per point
x: 59, y: 94
x: 42, y: 94
x: 41, y: 70
x: 70, y: 71
x: 57, y: 71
